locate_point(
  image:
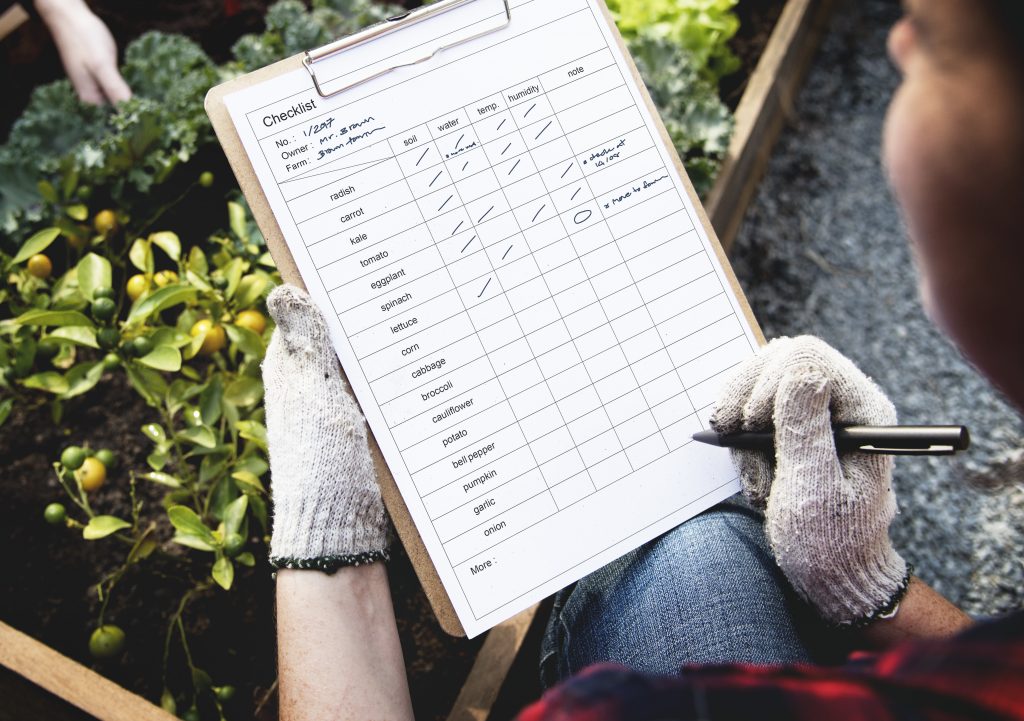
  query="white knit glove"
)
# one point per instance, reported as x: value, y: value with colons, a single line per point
x: 827, y: 517
x: 328, y: 511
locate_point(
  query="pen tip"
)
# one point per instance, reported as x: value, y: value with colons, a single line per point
x: 709, y: 437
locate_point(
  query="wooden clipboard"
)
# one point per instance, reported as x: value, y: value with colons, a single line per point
x: 249, y: 184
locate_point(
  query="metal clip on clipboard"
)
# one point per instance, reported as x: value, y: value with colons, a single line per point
x: 392, y: 24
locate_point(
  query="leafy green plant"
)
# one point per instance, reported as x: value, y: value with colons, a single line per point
x: 696, y: 119
x: 190, y: 345
x: 701, y: 29
x: 61, y: 150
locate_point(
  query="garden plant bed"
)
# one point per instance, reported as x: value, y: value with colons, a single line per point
x: 47, y: 589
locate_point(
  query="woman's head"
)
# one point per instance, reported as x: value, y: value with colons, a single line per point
x: 954, y: 151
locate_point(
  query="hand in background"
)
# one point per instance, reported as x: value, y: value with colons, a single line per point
x: 87, y: 50
x: 827, y: 516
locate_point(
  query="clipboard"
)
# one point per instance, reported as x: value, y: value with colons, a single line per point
x: 264, y: 216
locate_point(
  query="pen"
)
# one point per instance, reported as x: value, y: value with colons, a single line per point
x: 889, y: 440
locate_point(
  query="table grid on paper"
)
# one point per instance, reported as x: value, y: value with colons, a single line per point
x: 546, y: 322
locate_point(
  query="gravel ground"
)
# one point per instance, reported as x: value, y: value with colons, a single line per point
x: 823, y: 252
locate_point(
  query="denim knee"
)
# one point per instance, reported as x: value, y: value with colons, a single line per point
x: 707, y: 592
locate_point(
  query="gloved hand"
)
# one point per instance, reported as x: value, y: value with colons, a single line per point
x: 827, y: 517
x: 328, y: 511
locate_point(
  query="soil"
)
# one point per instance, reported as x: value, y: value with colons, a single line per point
x: 757, y: 20
x: 47, y: 589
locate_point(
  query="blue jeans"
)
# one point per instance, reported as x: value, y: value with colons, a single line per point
x: 707, y: 592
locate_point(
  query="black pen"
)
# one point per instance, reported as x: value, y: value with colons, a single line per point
x: 889, y: 440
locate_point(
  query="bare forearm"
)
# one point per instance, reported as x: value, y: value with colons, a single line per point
x: 338, y: 651
x: 923, y: 613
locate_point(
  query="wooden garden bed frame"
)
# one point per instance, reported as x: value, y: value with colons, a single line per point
x: 763, y: 110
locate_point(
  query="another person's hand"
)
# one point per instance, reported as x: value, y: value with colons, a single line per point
x: 328, y: 511
x: 827, y: 517
x: 87, y: 50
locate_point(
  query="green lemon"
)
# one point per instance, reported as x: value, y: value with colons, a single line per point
x: 72, y: 458
x: 108, y: 338
x: 142, y: 346
x: 106, y: 457
x: 206, y: 179
x: 225, y: 693
x: 55, y: 513
x: 103, y: 309
x: 103, y: 293
x: 110, y: 361
x: 106, y: 642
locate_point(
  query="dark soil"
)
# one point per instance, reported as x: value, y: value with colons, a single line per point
x: 47, y: 587
x: 757, y: 20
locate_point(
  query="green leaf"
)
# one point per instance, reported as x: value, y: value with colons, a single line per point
x: 210, y: 401
x: 147, y: 383
x: 246, y: 478
x: 141, y: 256
x: 186, y: 521
x: 187, y: 539
x: 154, y: 432
x: 244, y: 391
x: 77, y: 212
x: 47, y: 190
x: 253, y: 431
x: 235, y: 514
x: 53, y: 317
x: 247, y: 341
x: 246, y: 559
x: 156, y: 460
x: 233, y: 272
x: 79, y: 335
x: 223, y: 572
x: 200, y: 436
x: 237, y: 221
x: 197, y: 262
x: 250, y: 288
x: 164, y: 479
x: 93, y: 272
x: 170, y: 336
x: 36, y: 244
x: 6, y: 405
x: 163, y: 358
x: 49, y: 381
x: 142, y: 550
x: 160, y: 300
x: 168, y: 242
x: 82, y: 379
x: 103, y: 526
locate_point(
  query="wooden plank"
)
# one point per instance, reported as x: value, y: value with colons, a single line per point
x: 490, y: 668
x: 76, y: 684
x: 766, y: 105
x: 12, y: 19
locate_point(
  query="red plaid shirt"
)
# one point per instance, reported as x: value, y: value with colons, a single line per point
x: 976, y: 675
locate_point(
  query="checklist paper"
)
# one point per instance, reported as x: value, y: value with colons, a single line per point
x: 518, y: 287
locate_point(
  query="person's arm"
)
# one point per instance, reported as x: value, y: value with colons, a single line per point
x: 338, y: 650
x: 87, y: 50
x: 923, y: 613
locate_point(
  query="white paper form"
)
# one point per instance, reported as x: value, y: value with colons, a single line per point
x: 529, y: 314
